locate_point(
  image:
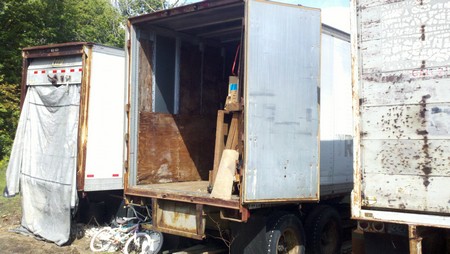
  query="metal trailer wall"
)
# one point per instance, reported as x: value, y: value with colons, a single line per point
x: 336, y: 124
x: 281, y: 117
x: 106, y: 122
x: 401, y: 58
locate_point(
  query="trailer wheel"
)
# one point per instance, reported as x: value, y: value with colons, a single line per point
x: 285, y: 235
x: 324, y: 231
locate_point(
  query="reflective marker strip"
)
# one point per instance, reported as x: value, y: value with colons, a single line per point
x: 115, y: 175
x: 56, y: 71
x: 90, y: 175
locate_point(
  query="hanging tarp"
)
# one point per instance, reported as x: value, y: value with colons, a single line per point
x: 43, y: 160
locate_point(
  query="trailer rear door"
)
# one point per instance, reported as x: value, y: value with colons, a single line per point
x: 403, y: 108
x: 282, y: 68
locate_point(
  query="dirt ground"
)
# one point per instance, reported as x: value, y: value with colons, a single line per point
x: 11, y: 242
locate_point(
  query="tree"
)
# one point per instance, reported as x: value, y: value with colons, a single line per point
x: 130, y: 8
x: 27, y: 23
x: 9, y: 114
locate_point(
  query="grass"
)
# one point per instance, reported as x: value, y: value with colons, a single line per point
x: 8, y: 206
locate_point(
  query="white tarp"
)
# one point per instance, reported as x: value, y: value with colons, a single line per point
x: 43, y: 161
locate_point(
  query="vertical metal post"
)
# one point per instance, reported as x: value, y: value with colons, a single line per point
x: 415, y: 241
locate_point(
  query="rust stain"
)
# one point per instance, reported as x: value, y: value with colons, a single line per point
x: 425, y: 165
x: 422, y: 31
x: 380, y: 78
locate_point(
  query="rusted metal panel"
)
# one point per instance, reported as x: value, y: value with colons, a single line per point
x: 186, y: 9
x: 180, y: 218
x: 78, y: 45
x: 402, y: 108
x: 55, y: 50
x: 174, y: 148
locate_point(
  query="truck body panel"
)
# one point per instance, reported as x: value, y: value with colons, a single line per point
x: 106, y: 123
x: 281, y: 103
x: 178, y: 125
x: 96, y: 69
x: 401, y: 107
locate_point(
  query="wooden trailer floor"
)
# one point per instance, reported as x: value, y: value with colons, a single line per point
x: 192, y: 192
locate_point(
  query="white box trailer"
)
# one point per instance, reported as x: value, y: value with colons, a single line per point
x: 71, y: 131
x: 401, y: 57
x: 180, y: 61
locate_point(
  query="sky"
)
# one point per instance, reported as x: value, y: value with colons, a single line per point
x: 335, y: 13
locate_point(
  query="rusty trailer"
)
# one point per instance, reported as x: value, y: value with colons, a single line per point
x: 223, y: 110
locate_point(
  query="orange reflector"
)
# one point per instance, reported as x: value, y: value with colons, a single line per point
x: 35, y: 72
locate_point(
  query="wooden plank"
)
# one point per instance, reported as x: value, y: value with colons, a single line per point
x: 223, y: 183
x: 232, y: 133
x: 234, y: 140
x: 219, y: 146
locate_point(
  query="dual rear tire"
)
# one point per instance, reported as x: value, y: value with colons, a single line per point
x: 323, y: 232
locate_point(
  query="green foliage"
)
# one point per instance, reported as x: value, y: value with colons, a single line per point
x: 26, y: 23
x: 9, y: 114
x: 10, y: 207
x: 130, y: 8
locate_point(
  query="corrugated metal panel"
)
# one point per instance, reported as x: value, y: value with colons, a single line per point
x: 282, y: 79
x: 403, y: 157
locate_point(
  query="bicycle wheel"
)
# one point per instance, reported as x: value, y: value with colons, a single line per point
x: 156, y: 241
x: 101, y: 241
x: 138, y: 243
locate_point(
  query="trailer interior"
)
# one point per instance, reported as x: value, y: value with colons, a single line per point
x: 184, y: 67
x: 186, y: 145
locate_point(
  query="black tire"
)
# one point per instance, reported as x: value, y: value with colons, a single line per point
x: 285, y: 235
x: 323, y: 231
